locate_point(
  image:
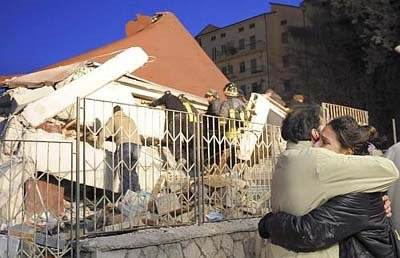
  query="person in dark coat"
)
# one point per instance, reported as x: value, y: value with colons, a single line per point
x: 357, y: 220
x: 211, y: 131
x: 177, y: 123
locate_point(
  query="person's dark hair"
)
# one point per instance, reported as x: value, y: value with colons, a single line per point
x: 351, y: 135
x: 117, y: 108
x: 298, y: 124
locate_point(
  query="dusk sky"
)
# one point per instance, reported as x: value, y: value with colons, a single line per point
x: 38, y: 33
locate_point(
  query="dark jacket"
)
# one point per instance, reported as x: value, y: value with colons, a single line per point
x: 170, y: 101
x: 214, y: 108
x: 357, y: 221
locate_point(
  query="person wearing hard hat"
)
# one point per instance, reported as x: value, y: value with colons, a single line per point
x: 214, y: 103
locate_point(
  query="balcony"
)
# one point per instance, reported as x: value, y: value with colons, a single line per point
x: 232, y: 51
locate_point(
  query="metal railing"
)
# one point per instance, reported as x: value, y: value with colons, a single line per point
x: 36, y: 198
x: 168, y: 168
x: 332, y: 111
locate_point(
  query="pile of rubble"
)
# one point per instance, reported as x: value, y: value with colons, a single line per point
x: 39, y: 205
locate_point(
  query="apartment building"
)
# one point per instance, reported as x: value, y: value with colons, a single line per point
x: 252, y: 52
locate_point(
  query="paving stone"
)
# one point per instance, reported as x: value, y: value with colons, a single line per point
x: 134, y: 253
x: 206, y: 246
x: 221, y: 254
x: 150, y: 251
x: 161, y: 254
x: 227, y: 245
x: 116, y: 253
x: 238, y: 250
x: 249, y: 247
x: 173, y: 250
x: 217, y: 240
x: 192, y: 251
x: 240, y: 236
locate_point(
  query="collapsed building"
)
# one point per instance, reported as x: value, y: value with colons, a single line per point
x: 56, y: 185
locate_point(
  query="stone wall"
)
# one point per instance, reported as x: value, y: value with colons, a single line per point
x: 238, y: 238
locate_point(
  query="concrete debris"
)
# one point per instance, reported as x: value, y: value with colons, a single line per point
x: 47, y: 107
x: 25, y: 96
x: 9, y: 246
x: 167, y: 204
x: 44, y: 196
x: 12, y: 134
x: 83, y: 70
x: 13, y: 174
x: 134, y: 203
x: 58, y: 242
x: 38, y: 169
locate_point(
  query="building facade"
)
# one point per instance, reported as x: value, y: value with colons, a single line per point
x: 252, y: 53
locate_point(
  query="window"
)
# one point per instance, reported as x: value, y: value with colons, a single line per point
x: 242, y: 67
x: 287, y: 86
x: 213, y: 38
x: 223, y: 49
x: 283, y: 22
x: 214, y: 53
x: 243, y: 87
x: 285, y: 37
x: 241, y: 44
x: 285, y: 61
x: 254, y: 87
x: 253, y: 65
x: 241, y: 29
x: 230, y: 69
x: 252, y: 42
x: 223, y: 70
x: 223, y: 35
x: 252, y: 25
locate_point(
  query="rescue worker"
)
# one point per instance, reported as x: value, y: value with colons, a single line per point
x: 125, y: 134
x: 189, y: 108
x: 233, y: 108
x: 214, y: 103
x: 210, y: 133
x: 176, y: 125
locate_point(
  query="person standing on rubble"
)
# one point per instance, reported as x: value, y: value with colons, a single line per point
x: 176, y: 125
x: 126, y: 136
x: 214, y: 103
x: 234, y: 109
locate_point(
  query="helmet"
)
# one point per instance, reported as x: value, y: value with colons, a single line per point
x: 231, y: 90
x: 211, y: 93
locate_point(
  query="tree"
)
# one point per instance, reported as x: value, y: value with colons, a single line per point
x: 345, y: 55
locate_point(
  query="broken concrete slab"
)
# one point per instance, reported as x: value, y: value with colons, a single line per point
x: 13, y: 174
x: 125, y: 62
x: 21, y: 99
